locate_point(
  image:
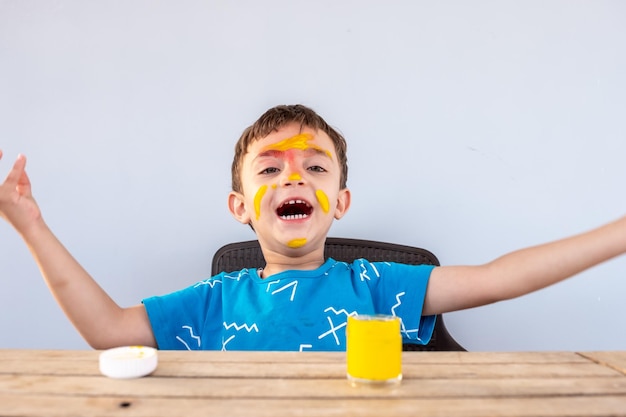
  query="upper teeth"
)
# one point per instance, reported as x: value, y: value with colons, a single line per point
x: 295, y: 202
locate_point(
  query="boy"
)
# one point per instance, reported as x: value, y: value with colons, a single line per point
x: 289, y: 183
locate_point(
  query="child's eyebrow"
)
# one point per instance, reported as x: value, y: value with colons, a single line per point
x: 279, y: 154
x: 300, y: 142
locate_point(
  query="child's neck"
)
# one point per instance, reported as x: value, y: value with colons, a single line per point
x: 276, y: 263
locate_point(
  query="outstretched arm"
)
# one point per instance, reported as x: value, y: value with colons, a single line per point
x: 100, y: 321
x: 521, y: 272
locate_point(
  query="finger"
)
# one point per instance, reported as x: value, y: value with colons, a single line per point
x: 0, y: 153
x: 17, y: 172
x: 23, y: 183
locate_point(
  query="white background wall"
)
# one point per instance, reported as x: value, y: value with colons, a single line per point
x: 475, y: 128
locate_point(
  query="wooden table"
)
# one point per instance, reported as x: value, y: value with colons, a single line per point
x: 68, y: 383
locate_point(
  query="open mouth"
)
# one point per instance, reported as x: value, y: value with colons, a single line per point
x: 294, y: 210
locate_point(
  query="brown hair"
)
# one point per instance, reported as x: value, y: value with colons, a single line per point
x: 274, y: 119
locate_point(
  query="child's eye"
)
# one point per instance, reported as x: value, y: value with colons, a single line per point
x: 316, y: 168
x: 270, y: 170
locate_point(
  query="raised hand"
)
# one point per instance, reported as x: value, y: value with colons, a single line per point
x: 17, y: 205
x: 97, y: 317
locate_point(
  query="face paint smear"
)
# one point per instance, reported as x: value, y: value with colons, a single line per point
x: 300, y: 141
x: 295, y: 177
x: 296, y: 243
x: 323, y: 199
x: 257, y: 200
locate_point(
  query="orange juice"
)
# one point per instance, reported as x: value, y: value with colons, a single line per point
x: 374, y: 349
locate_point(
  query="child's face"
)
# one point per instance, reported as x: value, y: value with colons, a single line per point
x: 291, y: 191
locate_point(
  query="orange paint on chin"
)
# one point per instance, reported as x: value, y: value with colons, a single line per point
x: 296, y: 243
x: 257, y: 200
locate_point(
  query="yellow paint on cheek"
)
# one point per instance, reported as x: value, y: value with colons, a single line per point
x: 296, y: 243
x: 300, y: 141
x: 323, y: 199
x: 257, y: 200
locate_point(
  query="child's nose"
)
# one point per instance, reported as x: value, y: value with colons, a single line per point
x: 293, y: 178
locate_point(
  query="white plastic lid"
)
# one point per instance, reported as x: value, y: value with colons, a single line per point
x: 128, y: 361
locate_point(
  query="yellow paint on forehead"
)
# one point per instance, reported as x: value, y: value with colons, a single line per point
x: 300, y: 142
x: 323, y: 199
x: 297, y: 243
x: 257, y: 200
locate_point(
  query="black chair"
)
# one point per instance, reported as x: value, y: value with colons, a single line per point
x: 239, y: 255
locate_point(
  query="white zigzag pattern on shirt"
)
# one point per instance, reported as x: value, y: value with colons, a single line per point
x: 338, y: 312
x: 293, y: 284
x: 241, y: 326
x: 180, y: 339
x: 238, y: 276
x: 333, y: 328
x: 225, y: 342
x: 193, y: 336
x: 210, y: 282
x: 363, y: 273
x: 398, y: 304
x: 393, y: 312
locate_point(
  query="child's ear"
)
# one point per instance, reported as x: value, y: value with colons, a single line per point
x: 237, y: 207
x: 343, y: 203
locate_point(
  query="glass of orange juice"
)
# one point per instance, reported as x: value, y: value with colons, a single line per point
x: 373, y: 349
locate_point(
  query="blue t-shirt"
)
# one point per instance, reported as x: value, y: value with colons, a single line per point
x: 293, y: 310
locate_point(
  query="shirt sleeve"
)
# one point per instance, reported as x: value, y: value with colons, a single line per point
x: 401, y: 291
x: 177, y: 319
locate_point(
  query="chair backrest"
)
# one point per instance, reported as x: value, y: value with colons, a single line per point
x: 247, y: 254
